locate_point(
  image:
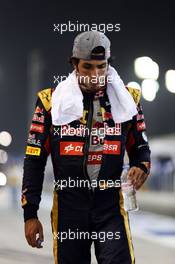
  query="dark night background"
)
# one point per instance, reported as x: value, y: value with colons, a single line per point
x: 26, y: 27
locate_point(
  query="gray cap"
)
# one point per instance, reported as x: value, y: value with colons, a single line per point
x: 85, y: 42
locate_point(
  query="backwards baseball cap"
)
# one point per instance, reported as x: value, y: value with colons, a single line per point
x: 86, y: 42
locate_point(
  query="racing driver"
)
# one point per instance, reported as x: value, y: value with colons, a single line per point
x: 87, y: 124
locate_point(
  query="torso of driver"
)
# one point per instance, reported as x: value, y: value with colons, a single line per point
x: 96, y: 140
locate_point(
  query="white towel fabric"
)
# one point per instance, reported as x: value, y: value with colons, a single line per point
x: 67, y: 100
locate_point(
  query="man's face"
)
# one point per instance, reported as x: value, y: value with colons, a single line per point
x: 92, y: 74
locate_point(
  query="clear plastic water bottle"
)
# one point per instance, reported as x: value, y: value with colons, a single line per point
x: 128, y: 191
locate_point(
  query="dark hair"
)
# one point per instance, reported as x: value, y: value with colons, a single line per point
x: 75, y: 61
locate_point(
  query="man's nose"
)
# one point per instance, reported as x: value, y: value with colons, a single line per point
x: 94, y: 72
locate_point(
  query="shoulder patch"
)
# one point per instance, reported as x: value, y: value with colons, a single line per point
x: 45, y: 97
x: 136, y: 94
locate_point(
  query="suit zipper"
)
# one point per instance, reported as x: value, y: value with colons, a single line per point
x: 87, y: 139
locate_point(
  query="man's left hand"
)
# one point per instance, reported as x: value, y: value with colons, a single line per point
x: 137, y: 177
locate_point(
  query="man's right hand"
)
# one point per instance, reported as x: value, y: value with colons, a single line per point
x: 33, y: 227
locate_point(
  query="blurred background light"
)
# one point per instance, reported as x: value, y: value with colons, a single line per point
x: 146, y: 68
x: 5, y: 138
x: 149, y: 89
x: 135, y: 85
x: 3, y: 179
x: 170, y: 80
x: 3, y: 156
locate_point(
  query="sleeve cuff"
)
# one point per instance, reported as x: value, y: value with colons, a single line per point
x: 142, y: 166
x: 30, y: 211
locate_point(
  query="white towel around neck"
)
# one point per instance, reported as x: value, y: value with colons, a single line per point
x: 67, y: 100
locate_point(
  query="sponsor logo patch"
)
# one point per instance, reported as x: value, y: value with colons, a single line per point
x: 112, y: 147
x: 71, y: 148
x: 33, y: 141
x: 33, y: 151
x: 141, y: 126
x: 95, y: 157
x: 45, y: 96
x: 37, y: 118
x: 96, y: 140
x: 37, y: 128
x: 136, y: 94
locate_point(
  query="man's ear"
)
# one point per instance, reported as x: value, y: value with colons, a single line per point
x: 75, y: 67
